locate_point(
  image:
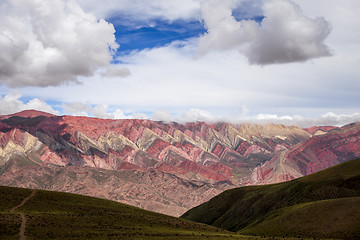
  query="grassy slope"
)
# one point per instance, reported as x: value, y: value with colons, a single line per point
x: 289, y: 208
x: 334, y: 218
x: 54, y: 215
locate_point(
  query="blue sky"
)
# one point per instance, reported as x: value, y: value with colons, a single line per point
x: 155, y: 34
x: 284, y: 61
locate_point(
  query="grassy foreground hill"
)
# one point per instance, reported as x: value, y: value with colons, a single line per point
x: 324, y: 205
x: 55, y: 215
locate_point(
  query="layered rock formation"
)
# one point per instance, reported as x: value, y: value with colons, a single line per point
x: 321, y: 151
x: 164, y: 167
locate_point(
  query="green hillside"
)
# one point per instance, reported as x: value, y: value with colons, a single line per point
x: 324, y: 204
x: 54, y: 215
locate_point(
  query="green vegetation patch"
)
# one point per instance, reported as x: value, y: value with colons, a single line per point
x: 55, y: 215
x: 262, y: 210
x: 334, y: 218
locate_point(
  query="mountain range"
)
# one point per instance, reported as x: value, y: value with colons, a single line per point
x: 321, y: 205
x: 163, y: 167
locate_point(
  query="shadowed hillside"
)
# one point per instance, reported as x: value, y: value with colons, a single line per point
x: 324, y: 204
x: 54, y: 215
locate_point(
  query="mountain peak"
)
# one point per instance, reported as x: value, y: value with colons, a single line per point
x: 30, y: 114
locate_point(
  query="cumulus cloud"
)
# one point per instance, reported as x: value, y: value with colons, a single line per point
x: 115, y: 71
x: 98, y: 111
x: 138, y: 115
x: 223, y: 31
x: 195, y: 114
x: 144, y: 10
x: 331, y: 118
x: 118, y: 114
x: 80, y: 109
x: 46, y: 43
x: 162, y: 115
x: 76, y: 108
x: 285, y: 34
x: 11, y: 103
x: 327, y: 119
x: 102, y: 111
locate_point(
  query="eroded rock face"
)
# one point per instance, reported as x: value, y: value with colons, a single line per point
x: 321, y: 151
x: 163, y: 167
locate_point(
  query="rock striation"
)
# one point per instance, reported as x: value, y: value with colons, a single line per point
x: 163, y: 167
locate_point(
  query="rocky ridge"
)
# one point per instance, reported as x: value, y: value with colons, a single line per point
x: 164, y: 167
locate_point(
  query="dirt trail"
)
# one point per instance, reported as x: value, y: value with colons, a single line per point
x: 22, y: 215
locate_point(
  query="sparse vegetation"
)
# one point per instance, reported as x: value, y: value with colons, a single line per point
x: 55, y: 215
x: 323, y: 205
x: 333, y: 218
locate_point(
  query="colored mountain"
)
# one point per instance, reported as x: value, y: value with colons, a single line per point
x: 163, y: 167
x: 312, y: 155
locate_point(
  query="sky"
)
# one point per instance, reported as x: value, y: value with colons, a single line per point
x: 294, y: 62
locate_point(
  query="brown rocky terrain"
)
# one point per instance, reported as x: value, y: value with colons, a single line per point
x: 163, y: 167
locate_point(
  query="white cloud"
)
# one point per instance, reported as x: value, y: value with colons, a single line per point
x: 144, y: 10
x: 327, y: 119
x: 46, y: 43
x: 195, y: 114
x: 223, y: 31
x: 115, y: 71
x: 80, y: 109
x: 98, y: 111
x: 285, y: 34
x: 138, y: 115
x: 337, y: 119
x: 170, y: 78
x: 40, y: 105
x: 222, y: 82
x: 263, y: 116
x: 118, y: 114
x: 75, y: 108
x: 11, y: 103
x: 343, y: 17
x: 162, y: 115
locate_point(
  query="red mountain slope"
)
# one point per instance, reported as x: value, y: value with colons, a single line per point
x: 199, y: 159
x: 312, y: 155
